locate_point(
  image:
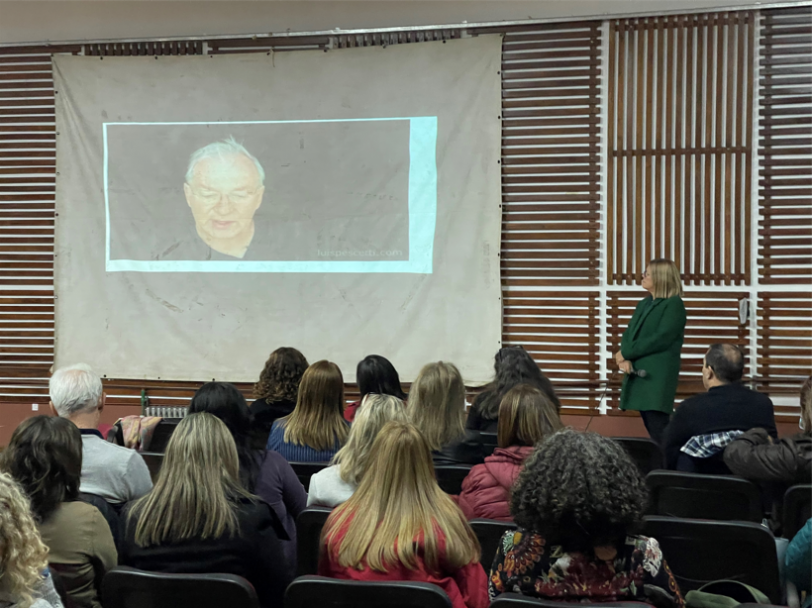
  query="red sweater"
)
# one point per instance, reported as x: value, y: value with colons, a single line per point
x: 467, y: 587
x: 486, y: 489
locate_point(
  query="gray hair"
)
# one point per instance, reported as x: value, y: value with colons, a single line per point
x: 221, y: 149
x: 74, y: 390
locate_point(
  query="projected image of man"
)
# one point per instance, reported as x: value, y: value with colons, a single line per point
x: 224, y: 188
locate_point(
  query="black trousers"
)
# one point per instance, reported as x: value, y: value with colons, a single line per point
x: 655, y: 422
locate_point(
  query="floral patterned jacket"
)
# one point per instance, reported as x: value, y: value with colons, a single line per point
x: 525, y: 564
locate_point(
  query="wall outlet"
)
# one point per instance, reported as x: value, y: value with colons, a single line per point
x: 35, y: 407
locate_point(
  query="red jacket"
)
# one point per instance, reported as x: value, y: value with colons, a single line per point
x: 466, y: 587
x: 486, y: 489
x: 349, y: 411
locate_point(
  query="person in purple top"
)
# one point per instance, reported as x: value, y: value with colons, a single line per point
x: 264, y: 473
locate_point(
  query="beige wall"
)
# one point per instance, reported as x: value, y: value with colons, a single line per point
x: 60, y: 20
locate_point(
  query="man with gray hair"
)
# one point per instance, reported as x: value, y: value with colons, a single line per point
x: 115, y: 473
x: 223, y: 188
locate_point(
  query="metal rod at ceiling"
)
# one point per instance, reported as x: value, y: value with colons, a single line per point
x: 411, y: 28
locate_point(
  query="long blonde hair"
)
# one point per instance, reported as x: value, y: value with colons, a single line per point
x: 526, y: 416
x: 374, y: 413
x: 437, y: 404
x: 318, y: 419
x: 23, y: 556
x: 197, y: 489
x: 665, y: 277
x: 398, y: 505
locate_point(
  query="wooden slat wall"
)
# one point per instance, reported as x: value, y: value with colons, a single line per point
x: 679, y: 130
x: 551, y: 79
x: 712, y: 317
x: 785, y: 138
x: 784, y: 345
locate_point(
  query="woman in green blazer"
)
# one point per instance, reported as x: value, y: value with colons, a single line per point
x: 652, y: 342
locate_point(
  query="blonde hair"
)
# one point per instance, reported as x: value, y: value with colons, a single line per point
x: 194, y: 496
x: 806, y: 405
x: 374, y: 413
x: 526, y: 416
x: 665, y: 277
x: 437, y: 404
x: 23, y: 556
x: 317, y: 421
x: 397, y: 506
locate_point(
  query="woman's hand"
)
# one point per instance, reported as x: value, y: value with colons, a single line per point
x: 619, y: 358
x: 626, y: 367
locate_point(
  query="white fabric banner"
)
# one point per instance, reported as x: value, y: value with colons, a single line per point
x: 211, y: 209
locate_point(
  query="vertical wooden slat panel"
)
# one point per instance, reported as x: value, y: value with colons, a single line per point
x: 611, y: 160
x: 718, y: 159
x: 640, y: 50
x: 648, y: 203
x: 729, y: 227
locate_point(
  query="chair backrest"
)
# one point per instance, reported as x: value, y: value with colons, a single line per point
x: 797, y: 509
x: 154, y: 462
x: 692, y: 495
x: 130, y: 588
x: 160, y: 436
x: 489, y: 442
x: 308, y: 536
x: 450, y: 476
x: 311, y: 591
x: 702, y: 551
x: 489, y: 532
x: 511, y: 600
x: 107, y: 510
x: 645, y: 453
x: 305, y: 470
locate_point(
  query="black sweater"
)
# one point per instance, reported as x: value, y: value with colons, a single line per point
x: 730, y: 407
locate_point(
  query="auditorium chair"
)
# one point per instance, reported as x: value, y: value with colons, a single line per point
x: 160, y: 436
x: 797, y: 509
x: 323, y: 592
x: 124, y: 587
x: 308, y: 535
x: 449, y: 477
x: 702, y: 551
x: 154, y: 462
x: 489, y: 532
x: 517, y: 600
x: 489, y: 442
x: 305, y: 470
x: 692, y: 495
x: 643, y: 451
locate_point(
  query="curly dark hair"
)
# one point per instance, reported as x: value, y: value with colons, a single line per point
x: 579, y: 490
x: 45, y: 457
x: 280, y: 378
x: 512, y: 366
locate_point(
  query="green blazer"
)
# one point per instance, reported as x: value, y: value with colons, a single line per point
x: 653, y: 342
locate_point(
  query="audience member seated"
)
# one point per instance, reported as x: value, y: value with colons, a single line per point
x: 526, y: 416
x: 577, y: 502
x: 703, y: 425
x: 316, y: 429
x: 437, y: 408
x: 375, y: 374
x: 115, y: 473
x: 25, y: 581
x: 45, y: 457
x: 512, y: 366
x: 198, y: 518
x: 277, y: 390
x: 400, y: 526
x: 799, y: 562
x: 263, y: 473
x: 334, y: 485
x: 756, y: 456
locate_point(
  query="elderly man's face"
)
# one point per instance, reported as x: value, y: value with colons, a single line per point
x: 224, y: 194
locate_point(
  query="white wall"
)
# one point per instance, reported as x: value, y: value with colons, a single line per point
x: 62, y: 20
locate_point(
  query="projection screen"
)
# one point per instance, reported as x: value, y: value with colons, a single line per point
x: 211, y: 209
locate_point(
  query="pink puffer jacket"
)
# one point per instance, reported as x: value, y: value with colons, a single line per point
x: 486, y: 489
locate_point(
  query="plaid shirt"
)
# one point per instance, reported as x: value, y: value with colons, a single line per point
x: 705, y: 446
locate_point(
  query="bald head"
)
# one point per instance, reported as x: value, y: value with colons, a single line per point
x: 726, y: 361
